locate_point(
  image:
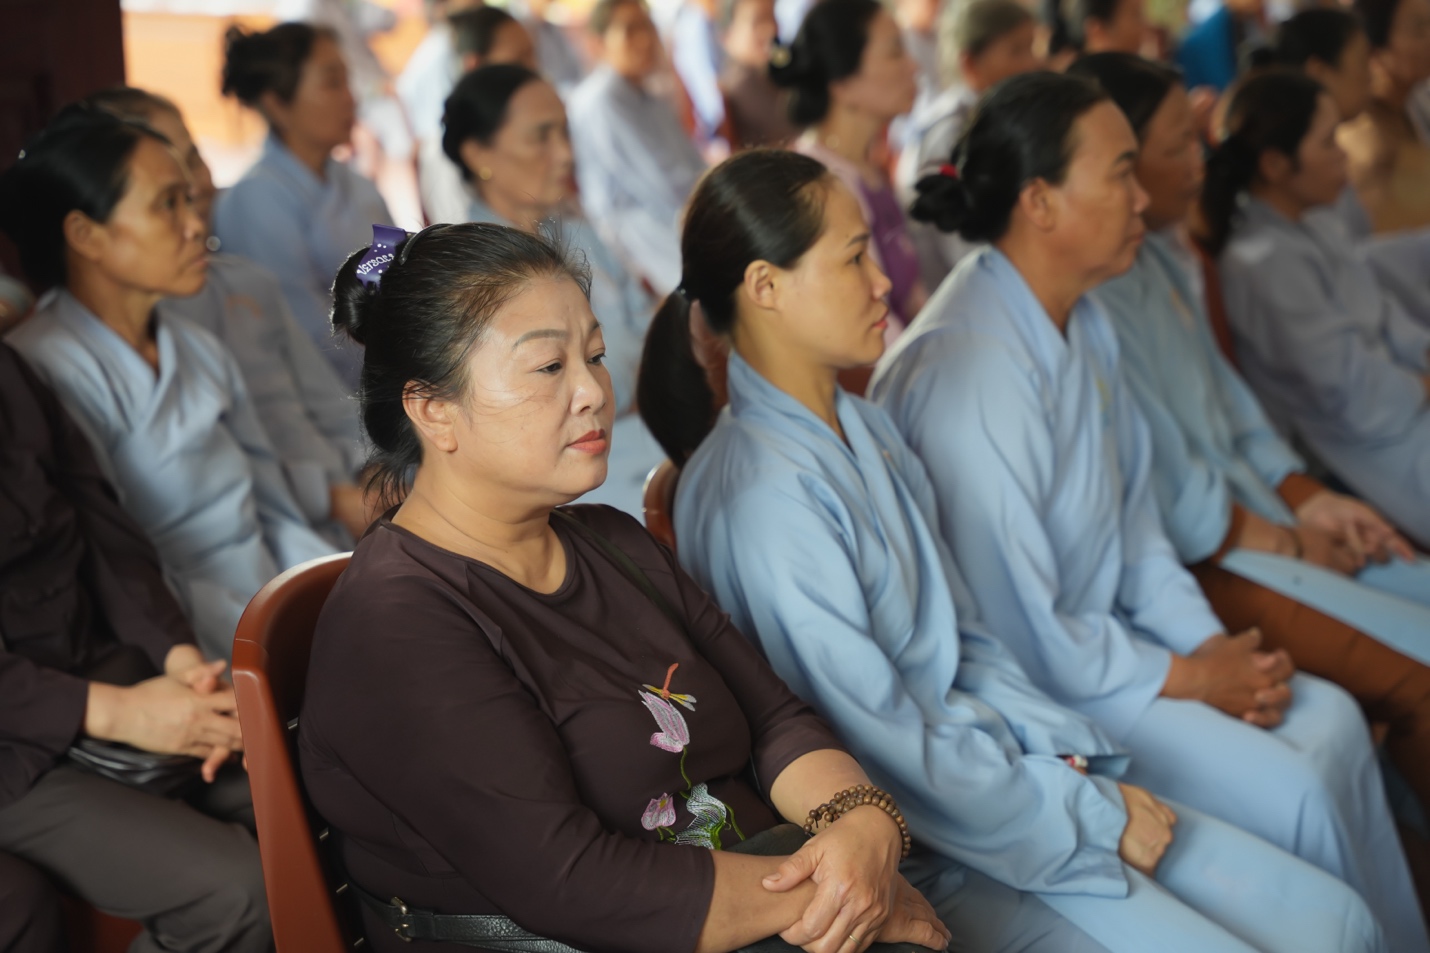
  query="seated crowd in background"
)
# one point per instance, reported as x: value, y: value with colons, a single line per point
x: 1064, y: 639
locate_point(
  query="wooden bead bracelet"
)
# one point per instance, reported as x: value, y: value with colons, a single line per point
x: 863, y: 795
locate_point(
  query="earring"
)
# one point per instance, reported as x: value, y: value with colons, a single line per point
x: 484, y: 174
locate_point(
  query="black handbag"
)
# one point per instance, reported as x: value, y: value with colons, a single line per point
x: 500, y: 934
x: 164, y: 775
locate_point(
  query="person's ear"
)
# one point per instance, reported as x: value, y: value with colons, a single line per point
x: 762, y: 285
x: 274, y: 110
x: 84, y: 236
x: 968, y: 69
x: 1274, y: 167
x: 1319, y: 71
x: 1094, y: 32
x: 1038, y: 200
x: 470, y: 61
x: 434, y: 418
x: 477, y: 158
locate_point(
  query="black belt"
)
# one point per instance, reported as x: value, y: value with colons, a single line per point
x: 487, y: 931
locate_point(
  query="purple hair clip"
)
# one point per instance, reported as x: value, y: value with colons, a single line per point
x: 385, y: 239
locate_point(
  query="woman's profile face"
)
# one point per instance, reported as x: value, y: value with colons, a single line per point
x: 1169, y: 164
x: 529, y: 158
x: 154, y: 240
x: 630, y: 44
x: 836, y: 307
x: 887, y: 81
x: 322, y: 110
x: 536, y: 416
x: 1095, y: 215
x: 1407, y: 52
x: 1319, y: 176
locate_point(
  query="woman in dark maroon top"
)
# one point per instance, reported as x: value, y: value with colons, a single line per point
x: 498, y: 719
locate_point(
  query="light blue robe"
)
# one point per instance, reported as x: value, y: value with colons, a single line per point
x: 1401, y: 260
x: 624, y: 310
x: 1334, y: 359
x: 1041, y: 465
x: 186, y: 452
x: 636, y: 167
x: 306, y: 410
x: 302, y: 229
x: 825, y: 552
x: 561, y: 63
x: 698, y: 59
x: 1213, y: 447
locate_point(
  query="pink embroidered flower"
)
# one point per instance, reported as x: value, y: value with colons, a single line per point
x: 673, y: 735
x: 660, y: 812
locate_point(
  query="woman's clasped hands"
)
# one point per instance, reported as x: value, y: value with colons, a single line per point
x: 860, y: 897
x: 189, y: 710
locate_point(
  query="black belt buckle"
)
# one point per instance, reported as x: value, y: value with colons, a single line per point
x: 402, y: 912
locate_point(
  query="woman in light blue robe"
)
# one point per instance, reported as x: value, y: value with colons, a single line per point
x: 635, y: 163
x: 493, y: 117
x: 161, y: 400
x: 303, y: 406
x: 1218, y: 462
x: 306, y: 410
x: 1334, y: 359
x: 1215, y: 447
x: 297, y: 211
x: 186, y: 451
x: 1040, y: 462
x: 820, y: 543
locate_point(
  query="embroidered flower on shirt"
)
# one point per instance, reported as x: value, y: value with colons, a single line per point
x: 673, y: 735
x: 660, y: 812
x: 710, y: 814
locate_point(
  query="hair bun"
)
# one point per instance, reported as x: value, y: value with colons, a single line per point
x: 354, y: 303
x: 792, y: 66
x: 943, y: 201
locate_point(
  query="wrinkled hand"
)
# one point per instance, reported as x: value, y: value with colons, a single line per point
x: 352, y: 508
x: 186, y: 664
x: 1242, y: 681
x: 912, y: 919
x: 1148, y: 833
x: 167, y: 716
x: 1355, y: 525
x: 853, y: 864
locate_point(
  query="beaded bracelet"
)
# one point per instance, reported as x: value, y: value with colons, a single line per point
x: 859, y: 796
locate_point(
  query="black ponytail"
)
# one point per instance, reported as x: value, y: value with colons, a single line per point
x: 1270, y: 111
x: 672, y: 392
x: 828, y: 48
x: 1021, y: 131
x: 760, y: 205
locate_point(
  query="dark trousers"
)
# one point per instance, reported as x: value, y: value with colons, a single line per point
x: 189, y: 871
x: 29, y: 910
